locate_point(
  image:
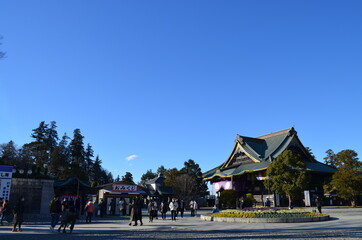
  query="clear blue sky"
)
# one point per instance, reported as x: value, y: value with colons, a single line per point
x: 170, y: 81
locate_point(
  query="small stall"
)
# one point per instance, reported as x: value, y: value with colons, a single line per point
x: 110, y: 196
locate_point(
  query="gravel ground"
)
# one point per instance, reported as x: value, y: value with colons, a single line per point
x: 187, y: 234
x: 346, y: 224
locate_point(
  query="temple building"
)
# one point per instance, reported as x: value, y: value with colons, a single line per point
x: 245, y: 168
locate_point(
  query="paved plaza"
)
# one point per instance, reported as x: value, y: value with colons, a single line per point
x: 345, y: 223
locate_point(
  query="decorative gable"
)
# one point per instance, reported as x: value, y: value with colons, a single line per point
x: 238, y: 157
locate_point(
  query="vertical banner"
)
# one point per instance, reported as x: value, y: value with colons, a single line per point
x: 6, y: 173
x: 307, y: 198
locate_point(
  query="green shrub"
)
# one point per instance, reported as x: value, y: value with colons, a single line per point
x: 249, y: 200
x: 228, y: 198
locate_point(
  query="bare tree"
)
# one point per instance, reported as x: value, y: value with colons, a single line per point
x: 2, y: 54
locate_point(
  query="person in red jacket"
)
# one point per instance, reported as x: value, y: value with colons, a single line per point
x: 89, y: 208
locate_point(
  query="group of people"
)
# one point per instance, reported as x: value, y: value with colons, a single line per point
x: 176, y: 207
x: 67, y: 211
x: 18, y: 212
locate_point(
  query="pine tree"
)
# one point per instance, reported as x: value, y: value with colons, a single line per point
x: 193, y: 170
x: 88, y: 158
x: 60, y: 158
x: 128, y: 177
x: 77, y: 155
x: 39, y: 147
x: 117, y: 179
x: 26, y: 159
x: 161, y: 170
x: 51, y: 137
x: 96, y: 172
x: 348, y: 180
x: 147, y: 176
x: 330, y: 159
x: 287, y: 175
x: 9, y: 154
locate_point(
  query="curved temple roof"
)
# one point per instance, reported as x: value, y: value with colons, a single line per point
x: 260, y: 151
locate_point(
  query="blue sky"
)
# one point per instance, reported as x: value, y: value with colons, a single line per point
x: 169, y: 81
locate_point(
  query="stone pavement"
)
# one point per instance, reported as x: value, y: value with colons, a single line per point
x: 343, y: 221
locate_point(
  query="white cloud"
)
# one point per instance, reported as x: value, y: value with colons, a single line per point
x: 129, y: 158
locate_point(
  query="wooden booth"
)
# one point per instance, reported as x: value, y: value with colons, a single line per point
x: 110, y: 196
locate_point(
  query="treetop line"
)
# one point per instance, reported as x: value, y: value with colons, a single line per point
x: 51, y: 157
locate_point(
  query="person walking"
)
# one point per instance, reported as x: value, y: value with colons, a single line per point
x: 152, y: 210
x: 112, y: 207
x: 133, y: 212
x: 69, y: 217
x: 173, y: 208
x: 122, y: 207
x: 65, y: 204
x: 18, y: 212
x: 163, y: 210
x: 101, y: 207
x: 89, y: 208
x: 5, y: 212
x: 192, y: 209
x: 196, y: 207
x: 54, y: 209
x: 78, y: 205
x: 319, y: 203
x: 139, y: 202
x: 181, y: 208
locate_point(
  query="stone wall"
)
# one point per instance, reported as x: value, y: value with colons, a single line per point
x: 37, y: 193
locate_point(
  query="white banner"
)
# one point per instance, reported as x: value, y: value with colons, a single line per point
x: 307, y: 198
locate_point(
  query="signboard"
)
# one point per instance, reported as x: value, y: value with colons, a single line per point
x: 6, y: 173
x: 121, y: 188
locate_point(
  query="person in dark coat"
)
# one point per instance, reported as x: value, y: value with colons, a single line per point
x: 55, y: 209
x: 163, y: 209
x: 102, y: 207
x: 181, y: 208
x: 139, y: 202
x: 112, y: 207
x: 152, y: 210
x: 78, y: 205
x: 18, y: 212
x: 319, y: 204
x: 69, y: 217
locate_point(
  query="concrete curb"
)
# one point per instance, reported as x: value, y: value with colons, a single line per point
x: 264, y: 220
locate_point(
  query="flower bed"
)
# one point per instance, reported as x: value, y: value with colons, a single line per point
x: 266, y: 215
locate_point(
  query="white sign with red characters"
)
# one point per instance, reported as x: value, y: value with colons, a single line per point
x: 121, y: 188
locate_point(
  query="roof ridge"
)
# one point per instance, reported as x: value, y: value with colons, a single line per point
x: 275, y: 133
x: 246, y: 137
